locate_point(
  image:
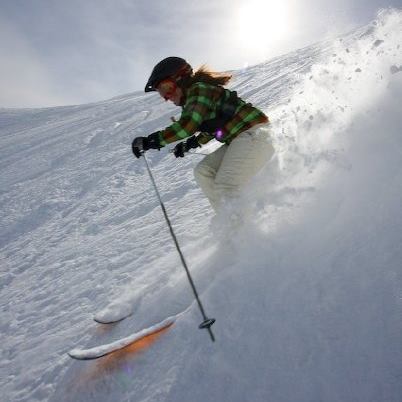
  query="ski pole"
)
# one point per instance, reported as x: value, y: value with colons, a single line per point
x: 208, y: 322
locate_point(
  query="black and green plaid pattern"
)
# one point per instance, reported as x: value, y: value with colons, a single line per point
x: 203, y: 102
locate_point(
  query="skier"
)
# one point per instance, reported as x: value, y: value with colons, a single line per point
x: 215, y: 113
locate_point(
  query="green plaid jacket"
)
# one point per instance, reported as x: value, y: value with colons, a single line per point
x: 203, y: 102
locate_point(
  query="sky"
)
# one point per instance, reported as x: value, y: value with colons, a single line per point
x: 54, y: 52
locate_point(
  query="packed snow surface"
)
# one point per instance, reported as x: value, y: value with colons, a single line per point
x: 307, y: 293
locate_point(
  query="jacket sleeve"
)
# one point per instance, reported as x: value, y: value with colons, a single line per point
x: 196, y: 109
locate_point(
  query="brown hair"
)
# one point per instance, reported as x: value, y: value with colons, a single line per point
x: 203, y: 74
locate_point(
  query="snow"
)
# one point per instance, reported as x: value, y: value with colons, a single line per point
x: 307, y: 293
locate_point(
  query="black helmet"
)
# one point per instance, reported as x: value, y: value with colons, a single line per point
x: 174, y: 67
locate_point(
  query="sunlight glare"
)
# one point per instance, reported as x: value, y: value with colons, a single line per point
x: 262, y: 22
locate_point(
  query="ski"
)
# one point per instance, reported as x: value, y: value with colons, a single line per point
x: 100, y: 320
x: 104, y: 350
x: 114, y: 313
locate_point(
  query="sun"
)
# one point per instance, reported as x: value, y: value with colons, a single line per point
x: 262, y: 22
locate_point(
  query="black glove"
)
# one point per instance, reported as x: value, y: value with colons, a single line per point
x: 142, y: 144
x: 185, y: 146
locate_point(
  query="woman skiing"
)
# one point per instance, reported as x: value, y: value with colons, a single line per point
x: 214, y: 113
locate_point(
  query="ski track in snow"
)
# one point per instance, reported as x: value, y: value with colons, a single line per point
x: 307, y: 295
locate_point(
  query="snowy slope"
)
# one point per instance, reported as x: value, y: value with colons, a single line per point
x: 307, y: 295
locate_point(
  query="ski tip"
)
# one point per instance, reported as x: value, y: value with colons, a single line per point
x: 105, y: 321
x: 113, y: 314
x: 77, y: 354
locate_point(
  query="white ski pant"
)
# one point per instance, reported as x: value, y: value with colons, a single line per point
x: 222, y: 173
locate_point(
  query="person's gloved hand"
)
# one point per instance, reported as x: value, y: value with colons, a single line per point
x: 142, y: 144
x: 185, y: 146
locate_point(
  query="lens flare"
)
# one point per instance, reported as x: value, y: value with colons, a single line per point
x: 219, y: 135
x: 122, y: 360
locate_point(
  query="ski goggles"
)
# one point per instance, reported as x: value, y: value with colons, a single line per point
x: 167, y: 88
